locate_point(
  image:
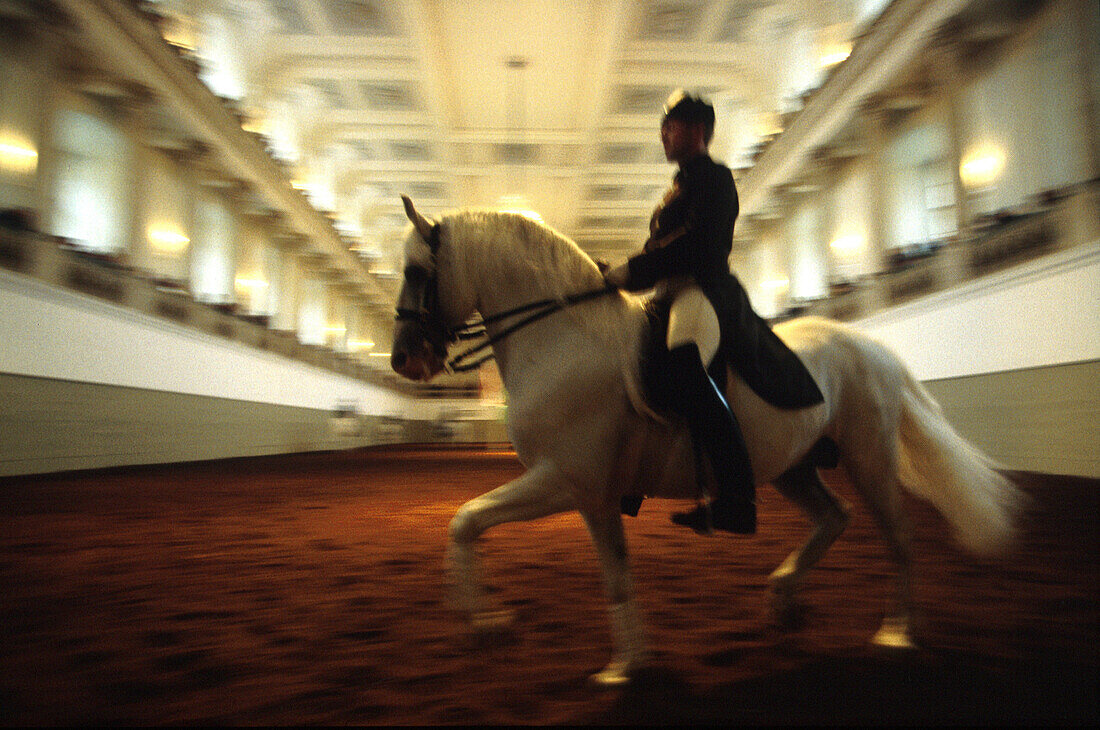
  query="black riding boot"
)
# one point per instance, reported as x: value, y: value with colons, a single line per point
x: 715, y: 432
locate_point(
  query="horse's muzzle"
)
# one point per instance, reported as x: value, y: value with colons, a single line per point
x: 414, y: 356
x: 423, y: 366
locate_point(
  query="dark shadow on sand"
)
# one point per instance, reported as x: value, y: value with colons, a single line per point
x: 928, y: 689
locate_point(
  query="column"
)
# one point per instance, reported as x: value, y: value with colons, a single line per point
x: 271, y: 264
x: 1089, y: 45
x: 29, y: 92
x: 188, y: 160
x: 948, y: 76
x: 1078, y: 218
x: 51, y: 48
x: 354, y: 324
x: 822, y: 175
x: 1080, y: 222
x: 245, y: 251
x: 876, y: 120
x: 134, y: 116
x: 312, y: 303
x: 286, y: 314
x: 775, y: 268
x: 336, y: 322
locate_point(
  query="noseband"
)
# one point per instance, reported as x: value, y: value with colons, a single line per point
x: 429, y: 317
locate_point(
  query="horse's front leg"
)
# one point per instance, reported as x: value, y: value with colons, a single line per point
x: 541, y: 491
x: 627, y: 633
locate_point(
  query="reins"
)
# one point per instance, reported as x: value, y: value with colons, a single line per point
x: 541, y: 308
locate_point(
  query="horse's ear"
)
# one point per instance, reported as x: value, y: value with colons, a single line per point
x: 423, y: 227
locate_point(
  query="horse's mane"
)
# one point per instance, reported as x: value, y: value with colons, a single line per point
x: 550, y: 263
x: 540, y: 262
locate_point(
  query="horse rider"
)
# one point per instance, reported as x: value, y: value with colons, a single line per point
x: 686, y: 260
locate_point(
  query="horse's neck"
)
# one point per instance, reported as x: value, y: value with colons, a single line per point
x: 504, y: 281
x: 551, y: 338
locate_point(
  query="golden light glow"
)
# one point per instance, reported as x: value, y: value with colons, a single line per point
x: 337, y: 330
x: 245, y: 283
x: 835, y: 54
x: 777, y: 285
x: 179, y: 33
x: 848, y: 244
x: 299, y: 185
x: 259, y: 126
x: 359, y: 345
x: 254, y: 121
x: 180, y: 41
x: 166, y: 238
x: 982, y: 166
x: 17, y: 155
x: 379, y: 354
x: 768, y: 124
x: 518, y: 204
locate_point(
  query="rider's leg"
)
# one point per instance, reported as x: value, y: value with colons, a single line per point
x: 693, y: 340
x: 691, y: 320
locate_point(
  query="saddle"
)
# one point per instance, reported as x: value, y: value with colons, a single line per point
x: 656, y: 394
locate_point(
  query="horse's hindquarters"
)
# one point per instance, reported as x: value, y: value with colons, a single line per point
x: 776, y: 438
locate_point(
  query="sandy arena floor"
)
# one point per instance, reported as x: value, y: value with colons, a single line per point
x: 311, y: 590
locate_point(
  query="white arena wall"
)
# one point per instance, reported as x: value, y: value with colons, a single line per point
x: 85, y: 384
x: 1014, y: 359
x: 65, y: 335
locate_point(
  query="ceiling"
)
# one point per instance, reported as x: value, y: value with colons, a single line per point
x: 551, y: 106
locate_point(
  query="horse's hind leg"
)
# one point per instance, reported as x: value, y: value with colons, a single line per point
x: 537, y: 493
x: 803, y: 486
x: 874, y: 474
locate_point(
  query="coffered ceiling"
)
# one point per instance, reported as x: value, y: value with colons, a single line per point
x: 551, y: 106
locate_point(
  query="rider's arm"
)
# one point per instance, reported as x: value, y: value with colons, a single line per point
x: 686, y: 249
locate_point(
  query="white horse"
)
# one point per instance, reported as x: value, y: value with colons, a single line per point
x: 577, y: 423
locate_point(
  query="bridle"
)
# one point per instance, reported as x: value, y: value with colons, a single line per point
x: 439, y: 334
x: 427, y: 313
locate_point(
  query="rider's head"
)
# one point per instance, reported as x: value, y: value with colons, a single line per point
x: 687, y: 126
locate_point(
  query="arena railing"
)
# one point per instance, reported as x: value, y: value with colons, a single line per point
x: 1052, y: 221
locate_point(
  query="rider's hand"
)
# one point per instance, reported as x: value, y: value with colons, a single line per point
x: 617, y: 276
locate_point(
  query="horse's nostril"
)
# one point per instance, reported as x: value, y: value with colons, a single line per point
x: 397, y: 360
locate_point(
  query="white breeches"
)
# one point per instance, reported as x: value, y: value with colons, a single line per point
x: 692, y: 320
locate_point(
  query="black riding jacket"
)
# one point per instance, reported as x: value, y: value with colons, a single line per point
x: 691, y: 234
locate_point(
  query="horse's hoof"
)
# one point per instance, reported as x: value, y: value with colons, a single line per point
x: 894, y: 635
x: 613, y: 676
x: 783, y: 582
x: 492, y: 622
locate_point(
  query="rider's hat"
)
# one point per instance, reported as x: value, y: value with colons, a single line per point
x: 690, y: 109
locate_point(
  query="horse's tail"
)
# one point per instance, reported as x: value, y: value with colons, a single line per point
x: 939, y: 465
